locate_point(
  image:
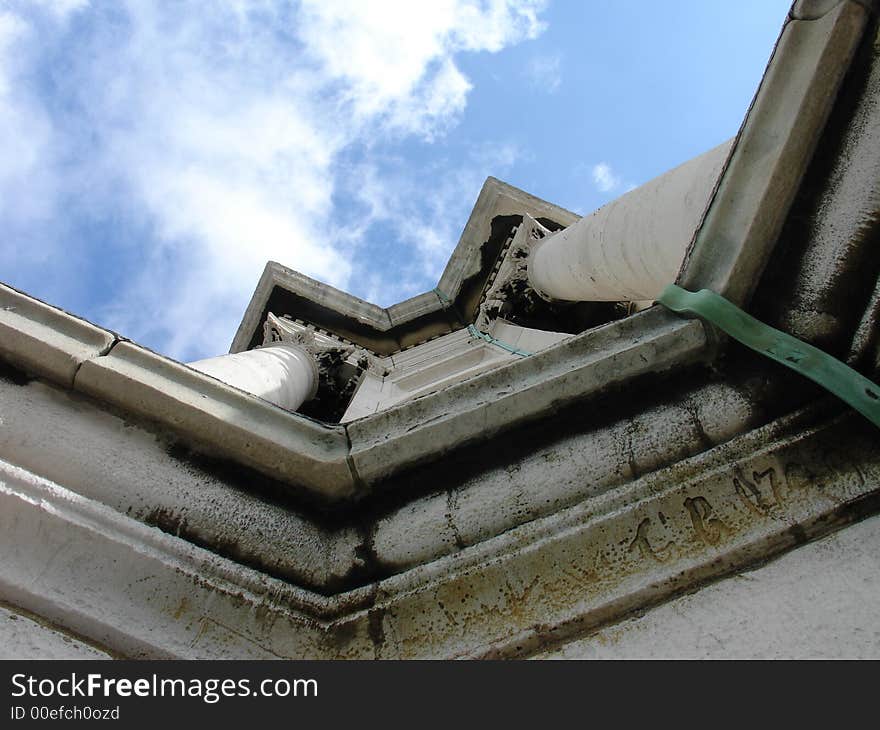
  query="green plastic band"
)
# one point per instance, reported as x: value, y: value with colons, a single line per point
x: 498, y: 343
x: 818, y: 366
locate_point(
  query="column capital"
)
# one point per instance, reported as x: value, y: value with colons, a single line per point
x: 510, y: 288
x: 338, y: 364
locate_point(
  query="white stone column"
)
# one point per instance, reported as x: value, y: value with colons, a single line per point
x: 631, y: 248
x: 282, y: 373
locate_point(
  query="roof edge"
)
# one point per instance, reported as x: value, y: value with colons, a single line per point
x: 420, y: 317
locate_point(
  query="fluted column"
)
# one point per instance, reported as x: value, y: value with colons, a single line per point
x: 284, y: 374
x: 631, y: 248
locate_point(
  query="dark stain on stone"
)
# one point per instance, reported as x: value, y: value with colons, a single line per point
x: 451, y: 508
x: 790, y: 292
x: 691, y: 409
x: 366, y: 566
x: 799, y: 534
x: 167, y: 521
x: 251, y: 482
x: 467, y: 301
x: 614, y: 406
x: 13, y: 374
x: 376, y: 629
x: 342, y: 634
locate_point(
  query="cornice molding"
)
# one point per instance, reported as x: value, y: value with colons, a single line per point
x: 617, y: 552
x: 451, y: 305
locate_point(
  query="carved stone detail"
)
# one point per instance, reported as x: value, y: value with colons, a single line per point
x: 511, y: 280
x: 340, y: 364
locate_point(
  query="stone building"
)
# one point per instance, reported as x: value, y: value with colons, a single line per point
x: 532, y: 460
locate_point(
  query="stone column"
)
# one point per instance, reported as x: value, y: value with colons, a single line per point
x: 630, y: 249
x: 283, y: 373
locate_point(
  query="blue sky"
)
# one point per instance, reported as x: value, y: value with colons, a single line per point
x: 154, y: 154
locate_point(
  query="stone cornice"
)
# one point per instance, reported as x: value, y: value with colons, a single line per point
x: 451, y: 305
x: 616, y: 552
x: 334, y: 463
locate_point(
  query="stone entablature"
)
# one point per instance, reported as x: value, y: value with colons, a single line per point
x: 452, y: 305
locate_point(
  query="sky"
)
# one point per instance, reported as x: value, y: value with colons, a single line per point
x: 155, y: 154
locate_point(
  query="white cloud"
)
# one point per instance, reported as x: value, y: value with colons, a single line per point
x: 27, y: 182
x: 605, y: 179
x: 60, y: 9
x: 396, y: 58
x: 544, y: 73
x: 429, y: 225
x: 218, y: 138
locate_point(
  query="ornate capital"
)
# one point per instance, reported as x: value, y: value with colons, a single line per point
x: 510, y: 285
x: 339, y: 363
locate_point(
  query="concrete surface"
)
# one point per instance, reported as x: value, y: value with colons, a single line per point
x: 818, y: 601
x: 772, y: 152
x: 21, y: 637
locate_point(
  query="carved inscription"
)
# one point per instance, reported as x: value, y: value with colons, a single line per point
x: 709, y: 529
x: 760, y: 493
x: 643, y: 544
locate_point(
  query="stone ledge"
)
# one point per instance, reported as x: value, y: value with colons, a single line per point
x: 635, y: 547
x: 427, y: 427
x: 22, y: 638
x: 464, y: 510
x: 519, y: 593
x: 771, y: 153
x: 67, y: 438
x: 334, y: 463
x: 115, y: 460
x: 273, y: 441
x: 45, y: 340
x: 817, y: 601
x: 91, y: 570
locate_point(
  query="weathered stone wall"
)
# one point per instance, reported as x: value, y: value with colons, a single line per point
x: 22, y: 636
x: 819, y: 600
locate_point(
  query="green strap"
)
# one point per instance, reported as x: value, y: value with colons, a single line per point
x: 818, y: 366
x: 482, y: 335
x: 498, y: 343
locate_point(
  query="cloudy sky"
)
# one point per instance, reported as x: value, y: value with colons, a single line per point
x: 154, y: 154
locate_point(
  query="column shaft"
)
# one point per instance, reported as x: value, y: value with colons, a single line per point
x: 631, y: 248
x: 283, y: 374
